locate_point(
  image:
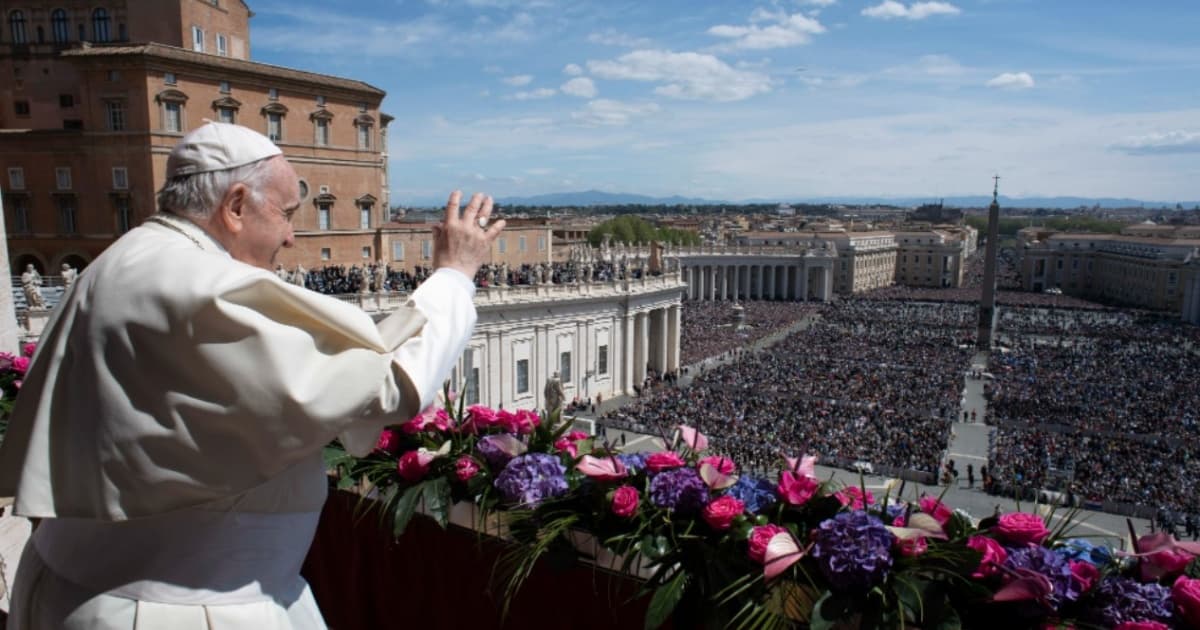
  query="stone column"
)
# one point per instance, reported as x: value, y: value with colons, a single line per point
x: 737, y: 277
x: 826, y: 284
x: 627, y: 359
x: 771, y: 282
x: 641, y: 352
x: 724, y: 273
x: 799, y: 269
x: 760, y: 283
x: 804, y: 282
x: 673, y: 332
x: 661, y: 328
x: 712, y: 282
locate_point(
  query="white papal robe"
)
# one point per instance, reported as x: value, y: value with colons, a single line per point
x: 170, y: 430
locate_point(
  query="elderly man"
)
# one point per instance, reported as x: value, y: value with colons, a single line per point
x: 169, y: 433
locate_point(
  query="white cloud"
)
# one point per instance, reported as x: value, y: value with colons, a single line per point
x: 1159, y: 143
x: 518, y: 29
x: 517, y: 80
x: 305, y: 30
x: 692, y: 76
x: 1011, y: 81
x: 579, y: 86
x: 939, y: 65
x: 612, y: 113
x: 533, y: 95
x: 787, y: 30
x: 819, y: 3
x: 890, y: 9
x: 572, y: 70
x: 611, y: 37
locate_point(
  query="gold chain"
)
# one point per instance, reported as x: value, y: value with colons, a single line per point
x: 163, y: 221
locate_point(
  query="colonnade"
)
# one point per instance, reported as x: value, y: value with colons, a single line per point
x: 651, y: 343
x: 785, y: 280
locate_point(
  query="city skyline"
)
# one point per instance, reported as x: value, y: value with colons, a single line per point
x: 789, y: 99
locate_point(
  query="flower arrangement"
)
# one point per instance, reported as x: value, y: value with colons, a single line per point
x: 12, y: 373
x: 725, y: 549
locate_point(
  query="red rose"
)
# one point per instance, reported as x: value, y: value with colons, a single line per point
x: 413, y: 466
x: 1186, y: 595
x: 1084, y: 574
x: 663, y: 460
x: 719, y: 514
x: 852, y: 496
x: 465, y: 468
x: 912, y: 547
x: 625, y: 501
x: 20, y: 365
x: 797, y: 489
x: 993, y: 556
x: 389, y: 441
x: 482, y: 417
x: 28, y: 349
x: 1019, y: 528
x: 759, y: 538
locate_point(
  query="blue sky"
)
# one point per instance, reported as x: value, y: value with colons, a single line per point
x: 788, y: 99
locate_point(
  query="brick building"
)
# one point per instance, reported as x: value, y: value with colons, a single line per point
x: 94, y: 96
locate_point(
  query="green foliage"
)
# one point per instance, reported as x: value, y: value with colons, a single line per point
x: 1010, y: 225
x: 633, y: 229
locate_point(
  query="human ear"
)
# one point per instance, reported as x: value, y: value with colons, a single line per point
x: 233, y: 209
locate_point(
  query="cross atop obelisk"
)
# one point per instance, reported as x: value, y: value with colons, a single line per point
x: 987, y: 302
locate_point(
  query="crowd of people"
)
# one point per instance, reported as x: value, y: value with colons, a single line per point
x: 714, y: 328
x: 868, y: 382
x: 1102, y: 405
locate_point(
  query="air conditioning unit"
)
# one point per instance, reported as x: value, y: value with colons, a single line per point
x: 324, y: 190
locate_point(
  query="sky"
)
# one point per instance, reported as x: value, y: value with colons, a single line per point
x: 786, y: 99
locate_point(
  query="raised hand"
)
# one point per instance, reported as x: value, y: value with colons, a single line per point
x: 461, y: 241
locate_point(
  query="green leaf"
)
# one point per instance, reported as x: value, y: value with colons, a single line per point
x: 829, y: 610
x: 666, y: 598
x: 437, y: 500
x: 950, y: 621
x: 405, y: 507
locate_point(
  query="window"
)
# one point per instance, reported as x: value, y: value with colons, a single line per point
x: 541, y: 243
x: 323, y: 216
x: 471, y: 391
x: 224, y: 87
x: 275, y: 127
x: 62, y: 177
x: 502, y: 245
x: 397, y: 250
x: 124, y: 214
x: 273, y: 94
x: 564, y: 367
x: 326, y: 254
x: 21, y: 109
x: 173, y: 116
x: 322, y: 132
x: 364, y: 137
x: 197, y: 39
x: 66, y: 213
x: 16, y: 27
x: 66, y: 101
x: 100, y: 25
x: 426, y: 249
x: 602, y: 360
x: 222, y: 45
x: 169, y: 78
x: 60, y: 27
x: 320, y: 101
x: 521, y: 244
x: 523, y: 376
x: 366, y: 252
x: 114, y: 76
x: 16, y: 178
x: 20, y: 213
x: 364, y: 216
x: 226, y: 115
x: 115, y: 114
x: 120, y: 178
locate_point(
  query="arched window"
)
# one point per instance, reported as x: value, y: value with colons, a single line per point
x: 61, y: 26
x: 16, y: 27
x: 100, y: 25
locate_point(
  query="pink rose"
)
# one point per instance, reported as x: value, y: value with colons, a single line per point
x: 413, y: 466
x: 389, y: 441
x: 1185, y: 592
x: 1084, y: 574
x: 481, y: 417
x: 797, y: 489
x: 663, y: 460
x: 6, y: 360
x: 526, y: 421
x: 853, y: 497
x: 938, y: 510
x: 625, y: 501
x: 1142, y: 625
x: 719, y: 514
x: 507, y: 420
x: 993, y: 556
x: 563, y: 444
x: 723, y: 465
x: 912, y: 547
x: 20, y: 365
x: 465, y: 468
x: 1020, y: 528
x: 28, y: 349
x: 430, y: 418
x: 759, y: 538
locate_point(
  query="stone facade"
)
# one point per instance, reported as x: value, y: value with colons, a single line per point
x: 934, y: 257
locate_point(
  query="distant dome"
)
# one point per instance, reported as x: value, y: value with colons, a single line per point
x: 1148, y: 222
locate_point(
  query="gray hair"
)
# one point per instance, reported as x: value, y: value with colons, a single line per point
x: 197, y: 196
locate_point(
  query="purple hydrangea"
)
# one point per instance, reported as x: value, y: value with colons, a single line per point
x: 1121, y: 599
x: 679, y: 489
x: 756, y: 494
x: 1053, y: 565
x: 497, y: 449
x: 853, y: 551
x: 530, y: 479
x: 634, y: 462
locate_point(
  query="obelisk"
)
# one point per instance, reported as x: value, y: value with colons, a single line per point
x: 987, y: 302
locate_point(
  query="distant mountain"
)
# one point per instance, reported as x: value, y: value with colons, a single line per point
x: 588, y: 198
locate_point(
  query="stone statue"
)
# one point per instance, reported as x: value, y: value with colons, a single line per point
x: 299, y: 275
x: 68, y: 275
x: 282, y: 273
x: 587, y: 272
x: 31, y: 282
x: 504, y: 273
x: 554, y: 394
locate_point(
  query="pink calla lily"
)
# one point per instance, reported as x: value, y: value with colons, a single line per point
x: 919, y: 525
x: 1028, y: 586
x: 714, y: 478
x: 602, y: 468
x: 782, y: 553
x: 1160, y: 555
x: 693, y: 438
x: 806, y: 466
